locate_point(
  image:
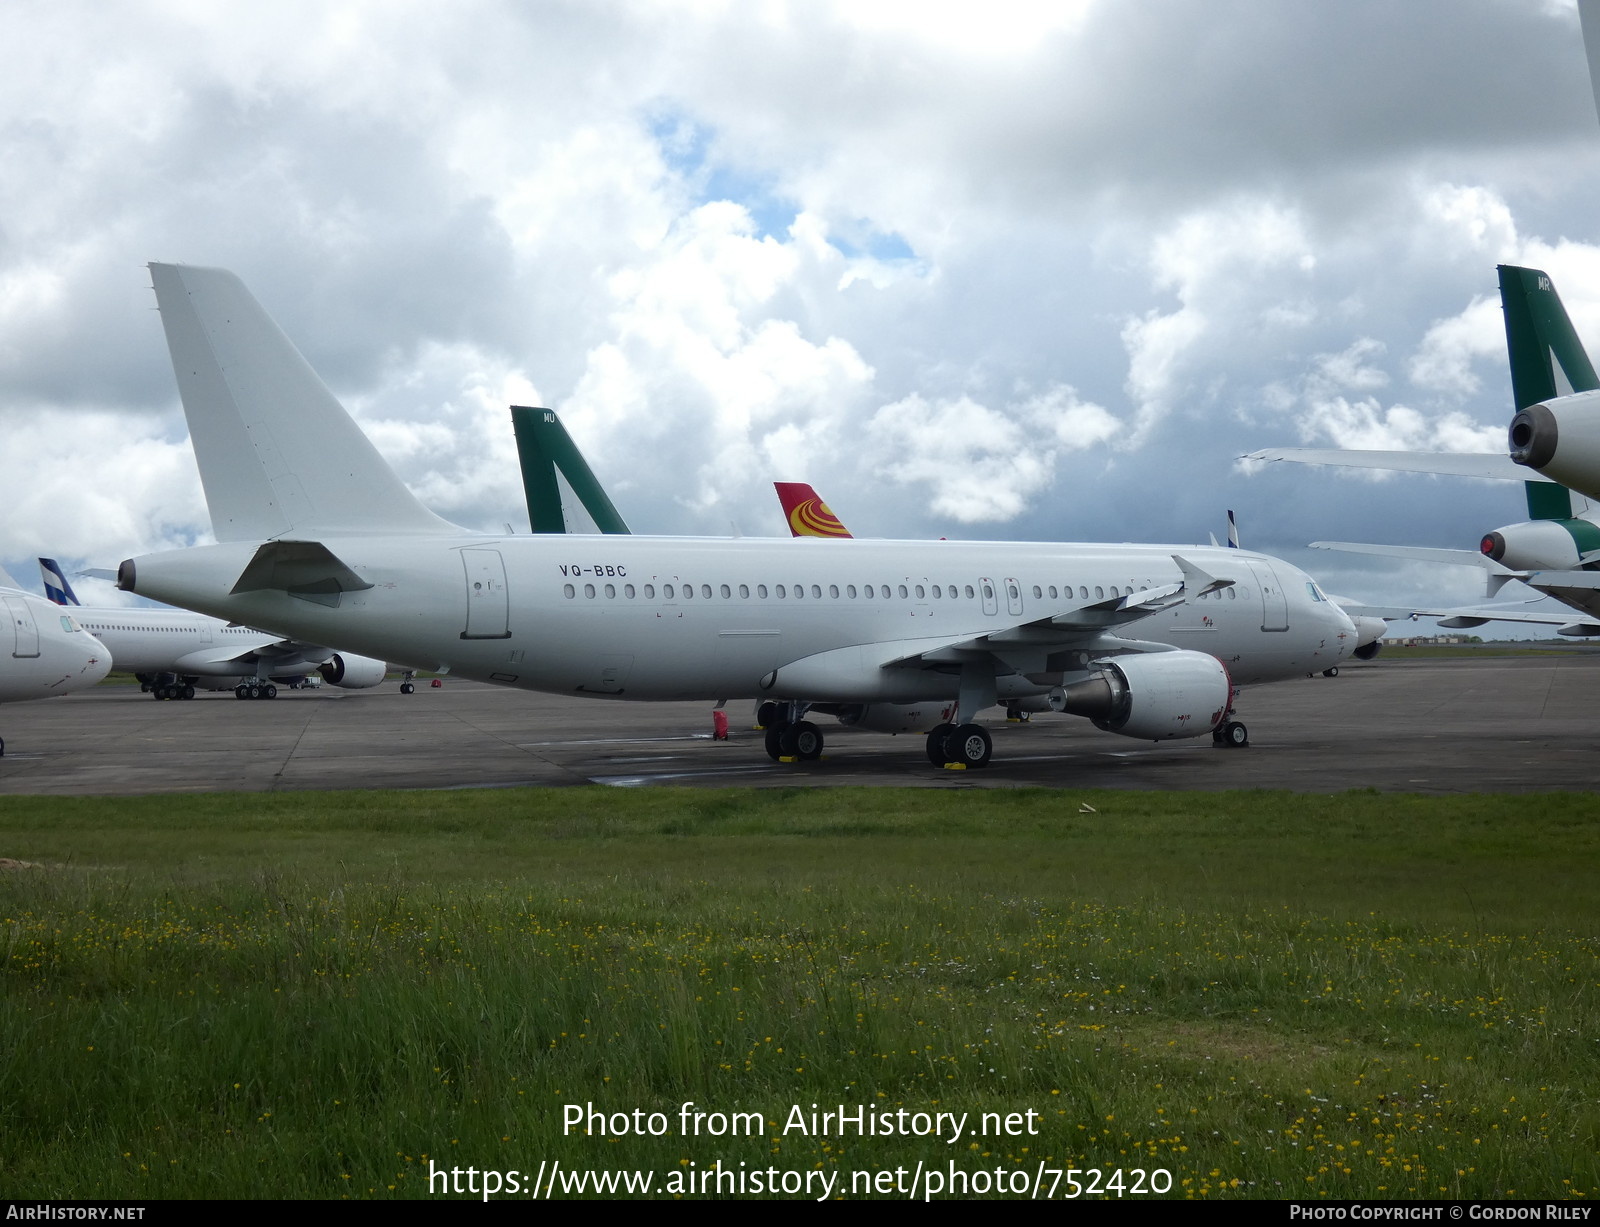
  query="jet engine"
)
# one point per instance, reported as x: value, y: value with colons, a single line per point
x: 352, y: 672
x: 1542, y: 545
x: 1155, y: 697
x: 1561, y: 438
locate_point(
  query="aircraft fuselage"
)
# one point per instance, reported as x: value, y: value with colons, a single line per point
x: 694, y: 618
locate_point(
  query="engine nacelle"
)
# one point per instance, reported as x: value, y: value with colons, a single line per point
x: 1155, y: 697
x: 352, y: 672
x: 1561, y: 439
x: 1541, y: 545
x: 895, y: 717
x: 1368, y: 631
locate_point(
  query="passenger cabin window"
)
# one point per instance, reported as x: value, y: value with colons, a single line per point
x: 568, y: 591
x: 780, y: 592
x: 850, y: 591
x: 744, y: 591
x: 833, y: 591
x: 649, y: 592
x: 628, y: 591
x: 725, y: 592
x: 588, y: 591
x: 761, y: 591
x: 611, y: 592
x: 969, y: 592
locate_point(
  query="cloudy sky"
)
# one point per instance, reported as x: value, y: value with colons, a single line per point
x: 1009, y: 270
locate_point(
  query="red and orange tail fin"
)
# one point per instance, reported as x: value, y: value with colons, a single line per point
x: 807, y: 514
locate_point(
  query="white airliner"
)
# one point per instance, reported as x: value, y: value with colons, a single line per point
x: 172, y: 651
x: 43, y: 650
x: 319, y: 540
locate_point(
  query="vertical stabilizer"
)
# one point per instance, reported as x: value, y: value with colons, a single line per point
x: 544, y: 449
x: 56, y: 587
x: 1547, y: 360
x: 278, y: 455
x: 807, y: 514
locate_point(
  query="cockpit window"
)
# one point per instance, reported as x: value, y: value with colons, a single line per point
x: 1314, y: 592
x: 67, y: 624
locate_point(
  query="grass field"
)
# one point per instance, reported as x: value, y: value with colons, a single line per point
x: 1262, y: 994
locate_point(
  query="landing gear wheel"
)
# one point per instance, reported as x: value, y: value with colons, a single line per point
x: 774, y: 749
x: 407, y: 688
x: 253, y: 691
x: 769, y: 715
x: 938, y: 755
x: 241, y: 691
x: 802, y: 741
x: 970, y: 744
x: 1232, y: 735
x: 1333, y: 672
x: 269, y: 691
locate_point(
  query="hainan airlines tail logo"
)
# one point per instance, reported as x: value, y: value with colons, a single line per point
x: 807, y: 514
x: 812, y: 518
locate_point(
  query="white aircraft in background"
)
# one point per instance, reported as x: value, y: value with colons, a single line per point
x: 319, y: 540
x: 171, y: 651
x: 44, y: 651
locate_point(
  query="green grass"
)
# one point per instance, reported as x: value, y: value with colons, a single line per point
x: 314, y: 995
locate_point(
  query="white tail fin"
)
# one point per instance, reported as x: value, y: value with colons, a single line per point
x: 278, y: 455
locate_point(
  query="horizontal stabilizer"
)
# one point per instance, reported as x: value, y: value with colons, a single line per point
x: 278, y: 454
x: 306, y: 569
x: 1491, y: 466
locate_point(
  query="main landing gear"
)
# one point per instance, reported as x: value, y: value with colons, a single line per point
x: 173, y: 690
x: 800, y: 741
x: 964, y: 745
x: 255, y: 690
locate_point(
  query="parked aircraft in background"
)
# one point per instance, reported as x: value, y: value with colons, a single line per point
x: 806, y: 513
x: 43, y: 651
x: 171, y: 651
x: 318, y: 539
x: 547, y: 455
x: 1557, y: 550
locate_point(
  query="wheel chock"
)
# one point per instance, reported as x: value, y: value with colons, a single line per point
x: 955, y: 766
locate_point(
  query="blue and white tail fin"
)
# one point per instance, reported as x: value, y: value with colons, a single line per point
x: 1233, y: 531
x: 279, y: 457
x: 56, y: 587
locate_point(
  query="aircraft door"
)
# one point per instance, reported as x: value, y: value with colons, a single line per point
x: 991, y: 603
x: 1274, y: 605
x: 1013, y: 597
x: 27, y: 632
x: 488, y: 610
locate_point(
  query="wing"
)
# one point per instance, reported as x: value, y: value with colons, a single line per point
x: 1491, y: 466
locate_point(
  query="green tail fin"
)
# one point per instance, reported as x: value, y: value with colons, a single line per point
x: 1547, y: 360
x: 544, y: 447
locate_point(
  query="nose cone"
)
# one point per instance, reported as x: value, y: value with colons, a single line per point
x: 96, y: 661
